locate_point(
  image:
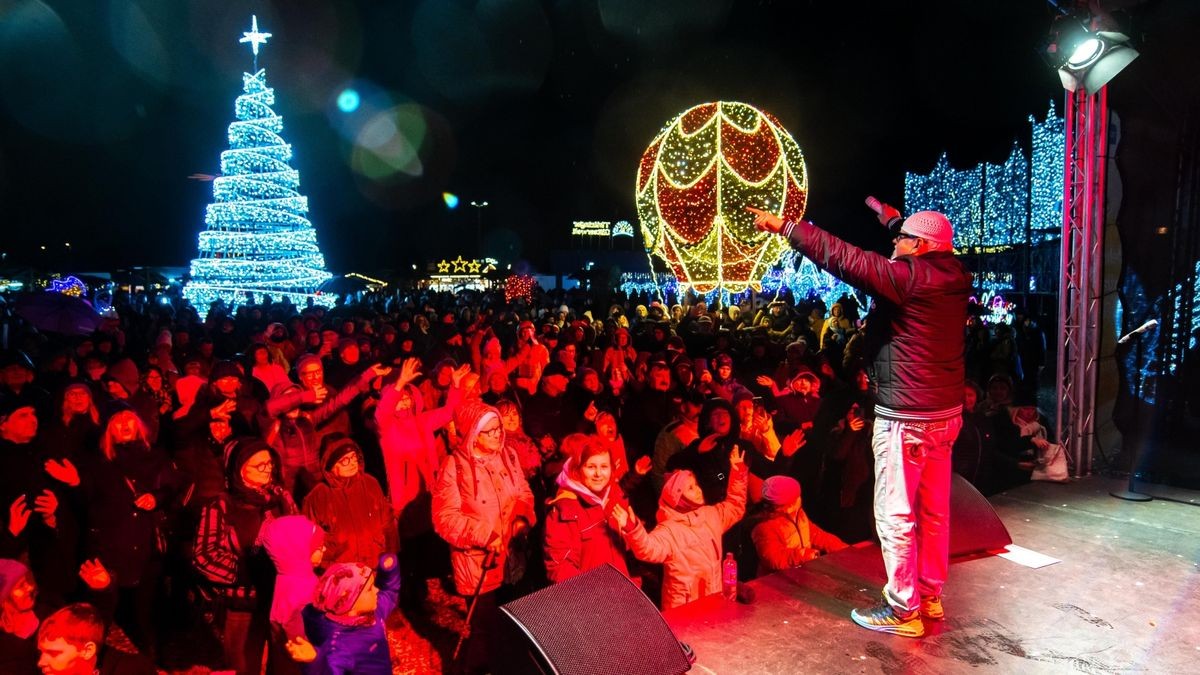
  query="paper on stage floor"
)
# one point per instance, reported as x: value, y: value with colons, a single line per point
x: 1026, y: 557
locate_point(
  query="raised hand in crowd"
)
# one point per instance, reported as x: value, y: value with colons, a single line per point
x: 737, y: 458
x: 47, y: 505
x: 18, y: 516
x: 793, y: 442
x: 622, y: 516
x: 409, y: 371
x: 94, y: 574
x: 457, y: 375
x: 642, y: 466
x: 145, y: 502
x: 63, y: 472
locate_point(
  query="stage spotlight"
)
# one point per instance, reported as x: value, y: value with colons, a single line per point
x: 1086, y: 59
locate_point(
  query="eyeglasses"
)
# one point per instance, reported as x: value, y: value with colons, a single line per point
x: 263, y: 466
x: 903, y: 235
x: 494, y: 431
x: 311, y: 371
x: 348, y: 460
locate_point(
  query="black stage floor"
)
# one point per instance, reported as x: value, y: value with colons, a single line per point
x: 1125, y: 598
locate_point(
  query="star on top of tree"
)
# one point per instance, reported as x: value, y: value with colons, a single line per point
x: 253, y: 36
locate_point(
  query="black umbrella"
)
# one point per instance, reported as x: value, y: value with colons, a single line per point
x: 58, y: 313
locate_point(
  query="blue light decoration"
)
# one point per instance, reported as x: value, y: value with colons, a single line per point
x: 997, y: 206
x: 622, y: 228
x: 70, y: 285
x: 652, y: 284
x: 349, y: 100
x: 805, y: 281
x: 257, y: 242
x: 1046, y: 185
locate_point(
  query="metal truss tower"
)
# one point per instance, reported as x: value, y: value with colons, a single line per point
x: 1080, y: 281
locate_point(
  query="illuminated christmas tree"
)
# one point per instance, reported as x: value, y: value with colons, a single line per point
x: 257, y: 242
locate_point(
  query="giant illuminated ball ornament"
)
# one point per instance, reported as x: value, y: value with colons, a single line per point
x: 694, y: 183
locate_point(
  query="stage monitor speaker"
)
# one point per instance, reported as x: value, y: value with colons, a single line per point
x: 596, y: 623
x: 974, y: 525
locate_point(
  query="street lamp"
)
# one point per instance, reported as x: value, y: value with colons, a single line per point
x: 479, y: 207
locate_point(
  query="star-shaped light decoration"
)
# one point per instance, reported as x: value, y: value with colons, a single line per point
x: 460, y: 265
x: 443, y: 267
x: 254, y: 37
x: 474, y: 266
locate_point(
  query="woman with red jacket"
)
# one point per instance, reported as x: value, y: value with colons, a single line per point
x: 580, y: 531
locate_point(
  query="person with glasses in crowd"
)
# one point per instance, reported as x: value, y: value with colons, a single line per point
x: 481, y: 504
x: 349, y: 505
x: 238, y: 575
x: 917, y: 372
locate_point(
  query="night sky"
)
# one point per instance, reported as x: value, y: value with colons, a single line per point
x: 540, y: 108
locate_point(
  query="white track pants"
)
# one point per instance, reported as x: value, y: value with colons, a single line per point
x: 912, y: 506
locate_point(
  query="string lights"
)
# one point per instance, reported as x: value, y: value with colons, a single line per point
x: 257, y: 242
x: 70, y: 285
x: 694, y: 182
x: 1046, y: 186
x: 998, y: 206
x: 519, y: 286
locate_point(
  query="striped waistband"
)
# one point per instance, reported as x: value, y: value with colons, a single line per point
x: 918, y: 415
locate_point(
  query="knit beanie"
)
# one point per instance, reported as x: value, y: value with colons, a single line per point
x: 10, y: 405
x: 125, y: 373
x: 929, y: 225
x: 334, y: 447
x: 469, y: 419
x: 222, y: 369
x: 672, y: 492
x: 780, y: 490
x: 340, y: 586
x: 305, y: 359
x: 11, y: 572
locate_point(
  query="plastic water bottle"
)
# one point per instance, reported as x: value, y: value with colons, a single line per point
x: 729, y: 577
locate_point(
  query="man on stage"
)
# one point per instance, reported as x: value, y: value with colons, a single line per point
x: 915, y: 351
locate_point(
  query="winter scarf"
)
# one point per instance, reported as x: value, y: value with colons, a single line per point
x: 566, y: 481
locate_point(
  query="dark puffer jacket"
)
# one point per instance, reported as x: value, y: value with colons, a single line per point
x: 355, y: 515
x: 914, y: 337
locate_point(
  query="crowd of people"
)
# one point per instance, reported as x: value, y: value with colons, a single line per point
x: 295, y: 476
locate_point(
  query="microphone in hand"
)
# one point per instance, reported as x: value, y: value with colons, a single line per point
x: 886, y: 214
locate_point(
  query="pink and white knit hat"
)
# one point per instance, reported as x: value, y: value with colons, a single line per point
x: 929, y: 225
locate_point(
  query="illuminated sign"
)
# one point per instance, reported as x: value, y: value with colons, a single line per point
x: 591, y: 228
x: 461, y: 266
